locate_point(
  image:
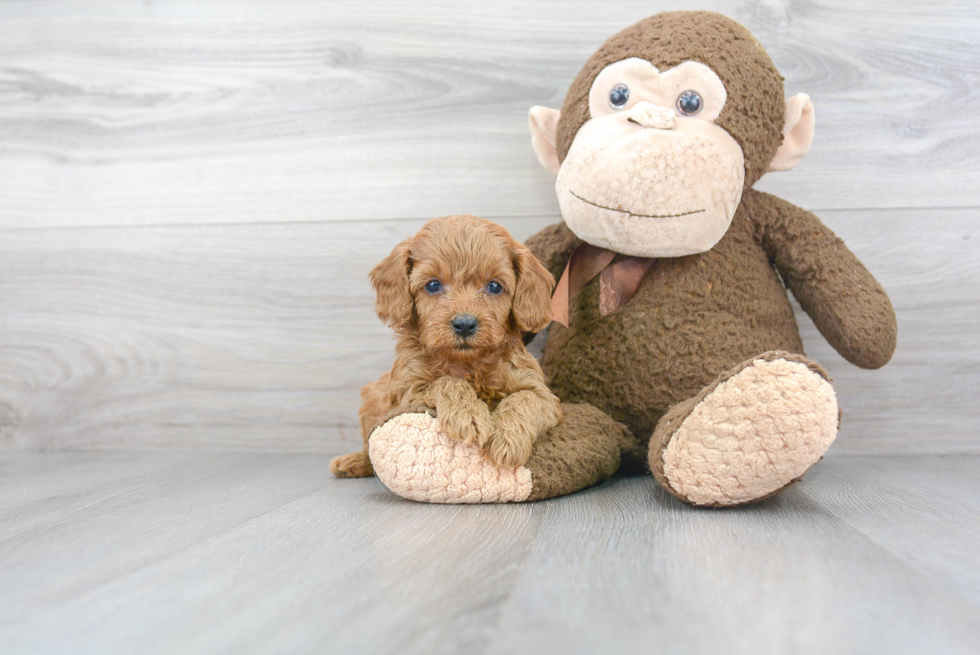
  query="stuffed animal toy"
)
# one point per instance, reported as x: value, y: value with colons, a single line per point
x: 675, y: 348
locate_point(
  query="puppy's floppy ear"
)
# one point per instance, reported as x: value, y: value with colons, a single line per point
x: 394, y: 304
x: 532, y: 297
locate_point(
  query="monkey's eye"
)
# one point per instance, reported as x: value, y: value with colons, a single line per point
x: 494, y: 288
x: 619, y: 96
x: 689, y: 103
x: 433, y: 286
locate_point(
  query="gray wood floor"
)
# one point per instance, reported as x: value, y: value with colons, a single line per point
x: 264, y: 553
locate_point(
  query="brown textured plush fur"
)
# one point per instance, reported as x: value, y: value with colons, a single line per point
x: 585, y: 448
x: 486, y: 388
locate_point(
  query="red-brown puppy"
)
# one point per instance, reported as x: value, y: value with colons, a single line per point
x: 458, y: 294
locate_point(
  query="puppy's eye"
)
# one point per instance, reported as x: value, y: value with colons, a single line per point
x: 433, y: 286
x: 619, y: 96
x: 494, y: 288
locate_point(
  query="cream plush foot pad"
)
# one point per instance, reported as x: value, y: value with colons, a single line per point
x: 753, y: 434
x: 414, y: 459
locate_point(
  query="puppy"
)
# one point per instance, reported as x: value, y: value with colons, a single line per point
x: 459, y: 294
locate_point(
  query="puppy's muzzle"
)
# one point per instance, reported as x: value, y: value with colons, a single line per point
x: 464, y: 325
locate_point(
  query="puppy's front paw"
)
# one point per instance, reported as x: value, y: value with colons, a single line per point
x: 510, y: 446
x: 467, y: 425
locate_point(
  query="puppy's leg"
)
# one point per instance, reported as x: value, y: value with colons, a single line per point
x: 518, y: 421
x: 352, y: 465
x: 374, y: 405
x: 462, y: 415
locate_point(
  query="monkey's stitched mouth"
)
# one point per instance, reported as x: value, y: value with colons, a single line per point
x: 589, y: 202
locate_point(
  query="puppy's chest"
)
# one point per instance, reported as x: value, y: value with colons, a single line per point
x: 489, y: 392
x: 490, y: 385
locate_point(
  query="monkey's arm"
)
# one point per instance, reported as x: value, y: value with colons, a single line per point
x: 846, y: 303
x: 553, y: 246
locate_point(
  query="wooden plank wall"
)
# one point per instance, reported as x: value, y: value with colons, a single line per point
x: 192, y: 193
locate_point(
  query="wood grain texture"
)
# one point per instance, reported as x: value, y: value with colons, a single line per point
x: 245, y: 553
x: 258, y: 337
x: 122, y: 113
x: 619, y: 571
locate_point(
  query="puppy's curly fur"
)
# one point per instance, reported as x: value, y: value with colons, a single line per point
x: 485, y: 387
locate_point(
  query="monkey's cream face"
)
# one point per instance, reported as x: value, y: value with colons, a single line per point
x: 650, y: 174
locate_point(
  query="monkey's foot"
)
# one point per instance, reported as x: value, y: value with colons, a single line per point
x: 749, y: 435
x: 415, y: 460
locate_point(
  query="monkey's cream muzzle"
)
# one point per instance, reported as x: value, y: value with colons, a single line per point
x: 648, y: 183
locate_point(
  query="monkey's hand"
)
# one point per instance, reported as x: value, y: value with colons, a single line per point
x: 846, y: 303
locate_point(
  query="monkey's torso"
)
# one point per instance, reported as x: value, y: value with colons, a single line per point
x: 691, y: 319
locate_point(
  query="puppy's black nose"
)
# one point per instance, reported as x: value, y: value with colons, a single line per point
x: 464, y: 324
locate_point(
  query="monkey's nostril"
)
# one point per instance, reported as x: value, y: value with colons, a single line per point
x: 464, y: 324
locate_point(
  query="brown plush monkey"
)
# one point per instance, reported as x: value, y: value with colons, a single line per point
x: 681, y: 351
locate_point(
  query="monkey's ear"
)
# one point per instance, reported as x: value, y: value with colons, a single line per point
x: 394, y: 304
x: 544, y: 135
x: 797, y: 133
x: 532, y: 297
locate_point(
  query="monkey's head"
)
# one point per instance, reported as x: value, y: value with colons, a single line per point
x: 664, y: 127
